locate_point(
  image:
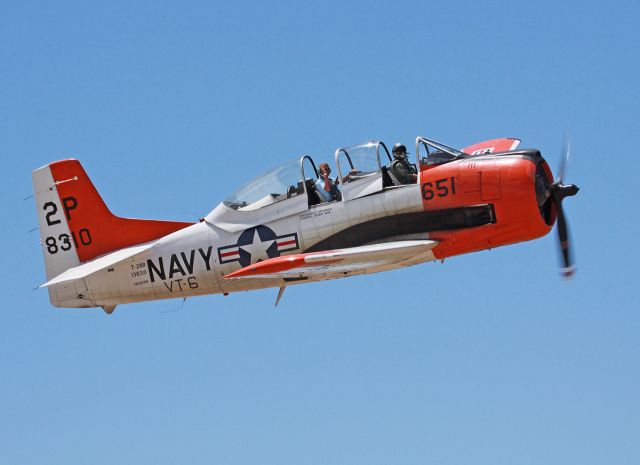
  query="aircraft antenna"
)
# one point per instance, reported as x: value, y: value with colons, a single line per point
x: 280, y: 292
x: 184, y: 299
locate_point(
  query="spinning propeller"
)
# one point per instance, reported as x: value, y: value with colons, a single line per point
x: 557, y: 192
x: 553, y: 194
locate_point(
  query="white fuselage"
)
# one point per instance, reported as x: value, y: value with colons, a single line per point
x: 194, y: 261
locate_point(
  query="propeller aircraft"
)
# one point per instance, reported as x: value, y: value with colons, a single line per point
x: 279, y: 230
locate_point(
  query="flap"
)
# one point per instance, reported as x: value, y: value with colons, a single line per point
x: 341, y: 261
x: 109, y: 260
x: 492, y: 146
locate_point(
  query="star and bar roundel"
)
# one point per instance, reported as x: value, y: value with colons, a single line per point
x: 256, y: 244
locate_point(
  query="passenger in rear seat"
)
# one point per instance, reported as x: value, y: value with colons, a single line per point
x: 327, y: 187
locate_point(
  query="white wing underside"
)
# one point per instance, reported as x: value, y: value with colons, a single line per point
x: 341, y: 262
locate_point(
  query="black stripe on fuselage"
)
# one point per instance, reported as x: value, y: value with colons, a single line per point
x: 407, y: 223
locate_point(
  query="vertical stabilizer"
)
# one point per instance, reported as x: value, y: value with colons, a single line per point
x: 58, y: 246
x: 76, y: 226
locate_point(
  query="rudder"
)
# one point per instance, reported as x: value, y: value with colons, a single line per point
x: 55, y: 237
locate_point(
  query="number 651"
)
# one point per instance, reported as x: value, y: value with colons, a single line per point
x: 443, y: 187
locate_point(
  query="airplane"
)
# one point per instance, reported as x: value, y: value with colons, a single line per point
x: 278, y: 231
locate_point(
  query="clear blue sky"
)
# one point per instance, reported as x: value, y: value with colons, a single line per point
x: 489, y: 358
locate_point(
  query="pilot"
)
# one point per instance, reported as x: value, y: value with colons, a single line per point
x: 327, y: 187
x: 401, y: 169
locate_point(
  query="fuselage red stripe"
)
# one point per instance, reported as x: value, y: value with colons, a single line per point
x: 226, y: 254
x: 281, y: 244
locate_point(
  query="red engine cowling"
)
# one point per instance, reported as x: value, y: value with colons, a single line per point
x: 510, y: 183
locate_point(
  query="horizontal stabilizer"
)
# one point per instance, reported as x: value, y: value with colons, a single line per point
x: 106, y: 261
x: 341, y: 262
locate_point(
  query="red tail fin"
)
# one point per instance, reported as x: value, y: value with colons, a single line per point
x: 94, y: 229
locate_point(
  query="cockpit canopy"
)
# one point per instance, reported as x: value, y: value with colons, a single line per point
x: 270, y: 187
x: 362, y: 170
x: 362, y: 159
x: 429, y: 152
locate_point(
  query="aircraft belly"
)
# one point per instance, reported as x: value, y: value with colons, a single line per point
x: 73, y: 294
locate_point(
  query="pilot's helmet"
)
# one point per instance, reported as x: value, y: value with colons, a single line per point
x: 399, y: 150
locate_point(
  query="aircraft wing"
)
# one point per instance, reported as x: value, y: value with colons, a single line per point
x: 340, y: 262
x: 492, y: 146
x: 109, y: 260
